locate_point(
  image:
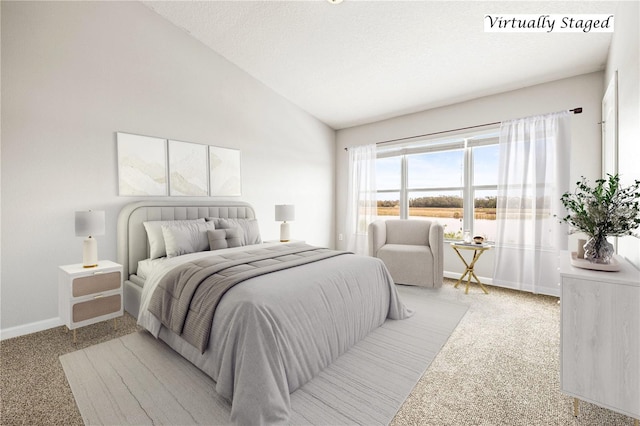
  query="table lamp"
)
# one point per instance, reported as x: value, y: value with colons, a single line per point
x: 285, y: 212
x: 88, y: 224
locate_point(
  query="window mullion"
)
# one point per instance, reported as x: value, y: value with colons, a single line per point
x: 404, y: 199
x: 467, y: 197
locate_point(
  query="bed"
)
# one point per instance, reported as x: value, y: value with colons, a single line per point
x: 273, y: 331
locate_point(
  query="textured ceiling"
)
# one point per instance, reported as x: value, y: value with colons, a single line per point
x: 363, y: 61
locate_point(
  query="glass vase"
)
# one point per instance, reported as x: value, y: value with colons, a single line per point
x: 598, y: 249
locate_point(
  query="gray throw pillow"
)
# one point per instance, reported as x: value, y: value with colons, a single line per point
x: 224, y: 238
x: 250, y: 229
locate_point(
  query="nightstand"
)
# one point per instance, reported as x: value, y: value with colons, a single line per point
x: 89, y: 295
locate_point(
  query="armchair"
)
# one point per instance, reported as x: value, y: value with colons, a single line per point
x: 412, y: 250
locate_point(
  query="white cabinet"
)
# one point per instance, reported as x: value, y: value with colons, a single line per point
x: 89, y: 295
x: 600, y: 336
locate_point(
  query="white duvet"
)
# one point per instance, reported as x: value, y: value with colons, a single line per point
x: 273, y: 333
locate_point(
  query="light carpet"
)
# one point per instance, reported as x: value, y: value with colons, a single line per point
x: 136, y: 379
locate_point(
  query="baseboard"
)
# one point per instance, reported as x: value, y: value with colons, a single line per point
x: 34, y: 327
x: 456, y: 275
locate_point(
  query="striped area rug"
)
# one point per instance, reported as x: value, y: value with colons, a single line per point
x: 137, y: 379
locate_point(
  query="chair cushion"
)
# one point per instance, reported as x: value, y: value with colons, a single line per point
x: 414, y: 232
x: 408, y: 264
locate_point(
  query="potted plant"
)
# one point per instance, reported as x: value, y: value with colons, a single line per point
x: 605, y: 210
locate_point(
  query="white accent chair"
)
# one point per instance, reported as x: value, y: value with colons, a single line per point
x: 412, y: 250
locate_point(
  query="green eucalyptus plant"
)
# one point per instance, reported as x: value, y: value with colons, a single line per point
x: 607, y: 209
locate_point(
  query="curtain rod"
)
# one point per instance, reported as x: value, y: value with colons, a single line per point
x: 574, y: 110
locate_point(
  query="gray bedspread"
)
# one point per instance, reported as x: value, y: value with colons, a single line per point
x: 272, y: 333
x: 187, y: 296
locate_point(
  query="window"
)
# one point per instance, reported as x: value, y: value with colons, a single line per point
x: 484, y: 187
x: 388, y: 182
x: 453, y: 181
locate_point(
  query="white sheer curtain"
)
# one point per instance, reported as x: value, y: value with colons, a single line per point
x: 533, y: 175
x: 362, y: 202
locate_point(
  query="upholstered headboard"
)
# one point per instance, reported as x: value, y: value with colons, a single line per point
x: 133, y: 245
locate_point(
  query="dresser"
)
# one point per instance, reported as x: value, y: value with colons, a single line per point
x: 89, y: 295
x: 600, y: 336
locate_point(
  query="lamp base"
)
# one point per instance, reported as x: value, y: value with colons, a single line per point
x: 284, y: 232
x: 89, y: 253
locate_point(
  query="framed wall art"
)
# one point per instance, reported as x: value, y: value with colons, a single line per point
x: 142, y: 165
x: 224, y: 171
x: 188, y: 169
x: 152, y: 166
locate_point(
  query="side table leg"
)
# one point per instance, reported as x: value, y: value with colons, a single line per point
x: 575, y: 407
x: 480, y: 284
x: 460, y: 279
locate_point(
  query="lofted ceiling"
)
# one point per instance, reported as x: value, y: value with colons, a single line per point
x: 363, y: 61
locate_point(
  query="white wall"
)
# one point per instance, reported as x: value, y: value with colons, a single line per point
x: 624, y: 56
x: 73, y: 74
x: 582, y: 91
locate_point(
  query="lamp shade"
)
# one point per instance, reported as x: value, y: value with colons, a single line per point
x: 89, y: 223
x: 285, y: 212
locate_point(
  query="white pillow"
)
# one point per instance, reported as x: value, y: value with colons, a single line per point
x: 186, y: 238
x: 249, y: 227
x: 156, y: 238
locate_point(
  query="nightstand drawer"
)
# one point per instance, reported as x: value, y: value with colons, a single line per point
x: 96, y: 283
x: 95, y: 308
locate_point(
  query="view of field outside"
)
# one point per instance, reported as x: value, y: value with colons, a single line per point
x: 444, y: 169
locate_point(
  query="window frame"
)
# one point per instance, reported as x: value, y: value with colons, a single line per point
x: 466, y: 142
